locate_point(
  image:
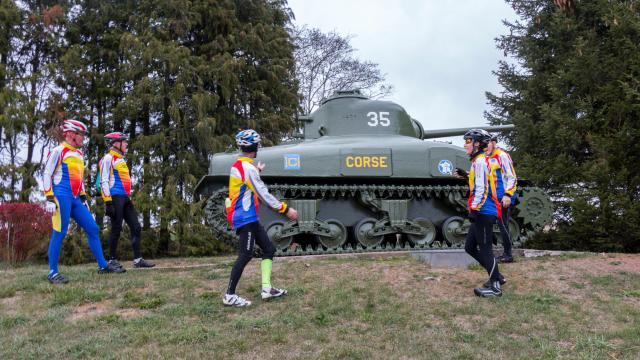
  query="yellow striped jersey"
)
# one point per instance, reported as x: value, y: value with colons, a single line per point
x: 482, y: 188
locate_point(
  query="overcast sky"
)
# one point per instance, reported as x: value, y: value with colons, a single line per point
x: 438, y: 54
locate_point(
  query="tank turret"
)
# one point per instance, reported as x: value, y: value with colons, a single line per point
x: 363, y: 178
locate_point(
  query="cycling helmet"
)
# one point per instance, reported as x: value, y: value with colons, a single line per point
x: 247, y: 137
x: 73, y: 125
x: 479, y: 135
x: 115, y: 137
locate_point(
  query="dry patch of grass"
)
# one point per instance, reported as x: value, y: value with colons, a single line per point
x: 11, y: 304
x: 85, y: 311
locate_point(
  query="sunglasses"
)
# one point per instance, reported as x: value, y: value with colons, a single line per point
x: 468, y: 141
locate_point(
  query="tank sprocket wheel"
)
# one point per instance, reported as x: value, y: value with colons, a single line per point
x: 273, y: 230
x: 428, y: 237
x: 535, y: 208
x: 450, y: 230
x: 338, y: 235
x: 362, y: 228
x: 217, y: 218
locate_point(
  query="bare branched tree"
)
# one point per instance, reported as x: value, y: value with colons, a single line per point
x: 325, y: 63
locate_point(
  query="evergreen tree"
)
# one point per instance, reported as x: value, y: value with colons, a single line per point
x: 181, y: 77
x: 202, y: 70
x: 9, y: 22
x: 30, y: 50
x: 573, y: 94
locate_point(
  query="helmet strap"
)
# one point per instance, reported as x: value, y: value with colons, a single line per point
x: 72, y: 140
x: 119, y: 148
x: 477, y: 149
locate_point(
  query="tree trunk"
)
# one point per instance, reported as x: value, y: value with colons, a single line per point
x: 166, y: 123
x: 146, y: 160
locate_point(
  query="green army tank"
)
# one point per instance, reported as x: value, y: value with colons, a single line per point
x: 363, y: 178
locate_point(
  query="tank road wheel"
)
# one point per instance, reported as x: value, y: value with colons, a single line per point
x: 338, y: 235
x: 450, y: 230
x: 514, y: 231
x: 273, y: 231
x: 428, y: 236
x: 361, y: 229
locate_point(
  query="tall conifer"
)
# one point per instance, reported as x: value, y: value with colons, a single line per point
x: 573, y: 91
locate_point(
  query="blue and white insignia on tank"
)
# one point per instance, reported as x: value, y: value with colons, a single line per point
x: 445, y: 167
x: 292, y: 162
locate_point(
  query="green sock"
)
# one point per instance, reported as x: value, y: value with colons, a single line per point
x: 265, y: 266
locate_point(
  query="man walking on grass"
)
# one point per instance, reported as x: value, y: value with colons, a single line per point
x: 115, y: 187
x: 246, y: 190
x: 502, y: 170
x: 63, y: 181
x: 484, y: 208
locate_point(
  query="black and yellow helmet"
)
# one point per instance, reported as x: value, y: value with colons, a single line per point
x: 480, y: 135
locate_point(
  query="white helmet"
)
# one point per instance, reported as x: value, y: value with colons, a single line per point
x: 73, y: 125
x: 247, y: 138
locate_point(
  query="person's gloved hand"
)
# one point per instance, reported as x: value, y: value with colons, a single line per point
x: 461, y: 174
x: 50, y: 206
x: 473, y: 216
x: 83, y: 198
x: 109, y: 209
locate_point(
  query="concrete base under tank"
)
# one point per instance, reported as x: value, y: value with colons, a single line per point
x: 452, y: 258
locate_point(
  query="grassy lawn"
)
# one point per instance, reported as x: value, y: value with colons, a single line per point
x: 584, y: 307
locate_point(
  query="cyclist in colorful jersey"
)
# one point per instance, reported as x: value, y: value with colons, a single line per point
x: 503, y: 171
x: 484, y: 208
x: 66, y: 198
x: 246, y: 190
x: 115, y: 187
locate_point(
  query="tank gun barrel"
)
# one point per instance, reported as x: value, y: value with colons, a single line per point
x: 434, y: 134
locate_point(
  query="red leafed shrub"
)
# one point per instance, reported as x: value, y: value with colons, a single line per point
x: 23, y: 228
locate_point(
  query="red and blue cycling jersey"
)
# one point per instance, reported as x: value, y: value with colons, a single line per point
x: 114, y: 176
x: 246, y: 190
x: 64, y: 172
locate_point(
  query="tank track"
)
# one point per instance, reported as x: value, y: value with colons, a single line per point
x: 531, y: 212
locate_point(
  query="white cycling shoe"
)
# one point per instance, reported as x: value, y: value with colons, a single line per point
x: 235, y: 301
x: 272, y: 293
